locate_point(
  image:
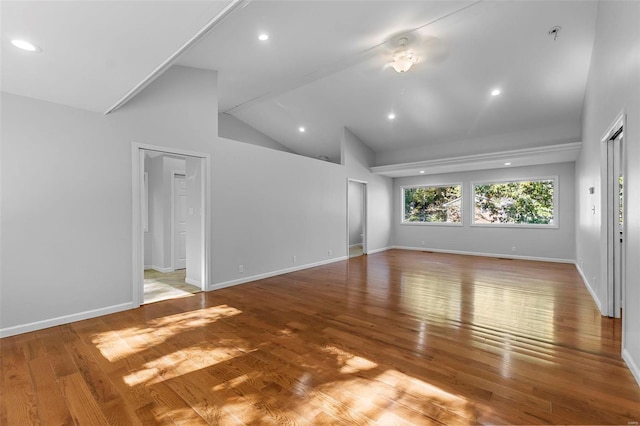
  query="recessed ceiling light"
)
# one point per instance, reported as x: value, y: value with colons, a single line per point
x: 391, y: 116
x: 507, y: 164
x: 263, y: 37
x: 25, y: 45
x: 495, y: 92
x: 421, y: 172
x: 301, y: 129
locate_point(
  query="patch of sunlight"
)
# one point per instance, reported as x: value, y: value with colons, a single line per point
x: 236, y: 381
x: 181, y: 362
x: 349, y: 363
x: 156, y: 331
x: 411, y: 388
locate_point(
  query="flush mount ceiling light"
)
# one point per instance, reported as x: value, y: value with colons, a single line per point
x: 495, y: 92
x: 403, y: 59
x: 391, y: 116
x: 301, y: 129
x: 25, y: 45
x: 263, y: 37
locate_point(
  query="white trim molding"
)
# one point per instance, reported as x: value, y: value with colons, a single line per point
x: 65, y: 319
x: 561, y: 153
x: 274, y: 273
x: 473, y: 253
x: 593, y: 294
x: 633, y: 367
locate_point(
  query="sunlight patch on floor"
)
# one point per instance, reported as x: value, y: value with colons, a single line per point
x: 158, y: 331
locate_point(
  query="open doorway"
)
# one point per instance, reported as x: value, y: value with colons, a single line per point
x: 613, y: 218
x: 170, y: 226
x: 357, y: 217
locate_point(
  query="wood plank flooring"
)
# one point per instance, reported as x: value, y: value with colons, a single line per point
x: 397, y: 337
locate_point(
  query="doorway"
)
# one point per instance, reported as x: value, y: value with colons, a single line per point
x: 171, y: 208
x: 356, y: 217
x: 614, y: 196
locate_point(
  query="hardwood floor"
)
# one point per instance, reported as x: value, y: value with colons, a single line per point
x: 397, y: 337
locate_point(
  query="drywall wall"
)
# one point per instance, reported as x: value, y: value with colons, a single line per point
x: 65, y: 215
x: 66, y: 242
x: 548, y: 243
x: 613, y: 86
x: 231, y: 127
x: 357, y: 158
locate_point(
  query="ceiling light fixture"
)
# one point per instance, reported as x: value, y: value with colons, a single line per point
x: 421, y: 172
x: 301, y: 129
x: 507, y: 164
x: 25, y: 45
x: 495, y: 92
x: 403, y: 59
x: 391, y: 116
x: 263, y: 37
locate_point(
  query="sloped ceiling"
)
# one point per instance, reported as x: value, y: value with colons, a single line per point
x: 93, y: 52
x: 325, y: 66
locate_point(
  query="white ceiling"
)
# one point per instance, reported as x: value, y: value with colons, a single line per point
x: 324, y: 67
x: 325, y: 64
x: 93, y: 52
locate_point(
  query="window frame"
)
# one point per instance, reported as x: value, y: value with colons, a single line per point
x: 435, y: 185
x: 556, y: 198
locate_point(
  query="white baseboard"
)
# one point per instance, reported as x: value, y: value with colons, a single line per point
x: 633, y: 367
x: 192, y: 282
x: 474, y: 253
x: 161, y: 269
x: 66, y: 319
x: 378, y: 250
x: 274, y: 273
x: 593, y: 294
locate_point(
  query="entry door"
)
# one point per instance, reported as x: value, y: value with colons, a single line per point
x: 179, y: 222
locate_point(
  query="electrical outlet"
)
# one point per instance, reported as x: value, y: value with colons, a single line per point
x: 240, y: 269
x: 422, y: 243
x: 293, y: 259
x: 329, y: 253
x: 514, y: 249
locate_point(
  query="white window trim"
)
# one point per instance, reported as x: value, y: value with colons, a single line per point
x: 436, y: 185
x: 556, y: 198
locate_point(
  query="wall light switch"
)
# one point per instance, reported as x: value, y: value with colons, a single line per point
x: 190, y: 211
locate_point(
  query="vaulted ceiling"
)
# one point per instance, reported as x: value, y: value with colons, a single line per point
x: 325, y: 65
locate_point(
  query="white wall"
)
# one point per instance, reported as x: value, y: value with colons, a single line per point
x: 357, y: 158
x: 66, y: 212
x: 356, y: 209
x: 231, y: 127
x: 65, y: 215
x: 613, y: 85
x: 548, y: 243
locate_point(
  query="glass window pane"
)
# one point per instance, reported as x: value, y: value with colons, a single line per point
x: 520, y: 202
x: 433, y: 204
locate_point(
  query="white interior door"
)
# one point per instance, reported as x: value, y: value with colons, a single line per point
x: 615, y: 224
x: 179, y: 221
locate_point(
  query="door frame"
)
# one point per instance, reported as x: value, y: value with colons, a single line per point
x: 610, y: 232
x: 137, y: 196
x: 174, y: 173
x: 365, y: 227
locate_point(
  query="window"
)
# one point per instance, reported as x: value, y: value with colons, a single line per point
x: 432, y: 204
x: 516, y: 203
